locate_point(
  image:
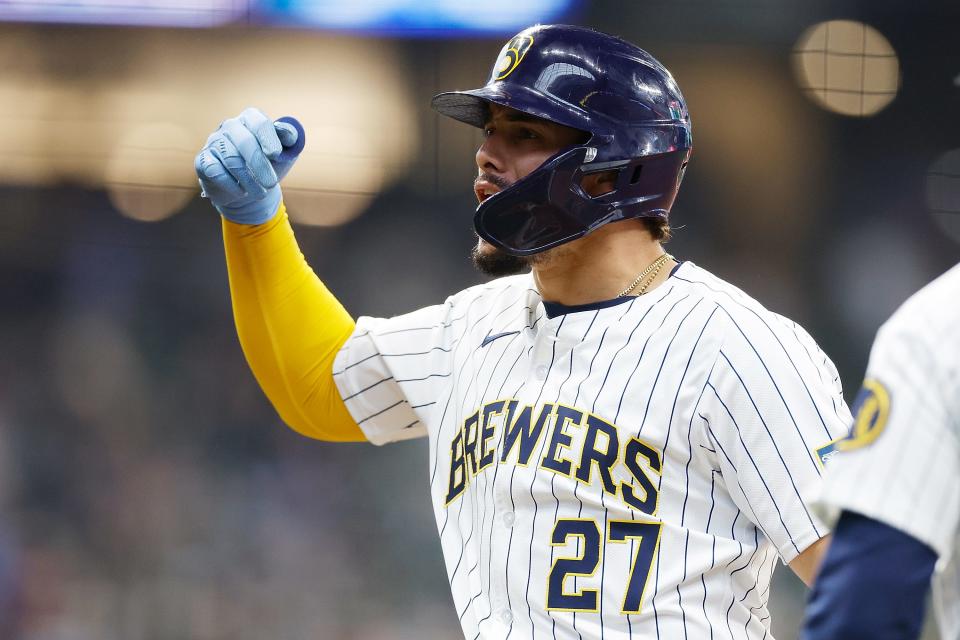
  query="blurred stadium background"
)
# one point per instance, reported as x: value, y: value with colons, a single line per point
x: 148, y: 491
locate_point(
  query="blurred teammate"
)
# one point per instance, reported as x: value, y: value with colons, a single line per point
x: 897, y: 481
x: 621, y: 445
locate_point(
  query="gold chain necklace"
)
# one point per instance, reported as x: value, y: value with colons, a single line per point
x: 650, y: 273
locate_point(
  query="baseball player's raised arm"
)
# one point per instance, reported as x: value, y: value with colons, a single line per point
x: 772, y: 408
x: 290, y: 327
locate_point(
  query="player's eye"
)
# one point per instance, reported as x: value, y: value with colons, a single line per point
x: 487, y: 132
x: 529, y: 134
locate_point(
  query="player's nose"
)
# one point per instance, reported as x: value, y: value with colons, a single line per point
x: 490, y: 156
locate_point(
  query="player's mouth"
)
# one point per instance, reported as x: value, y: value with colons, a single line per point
x: 486, y: 185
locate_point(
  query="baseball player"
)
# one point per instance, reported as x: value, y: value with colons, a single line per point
x: 896, y: 480
x: 621, y: 443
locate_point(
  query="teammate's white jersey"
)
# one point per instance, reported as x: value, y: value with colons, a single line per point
x: 901, y: 465
x: 631, y: 469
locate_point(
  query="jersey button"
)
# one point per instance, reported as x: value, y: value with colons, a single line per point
x: 508, y: 519
x: 505, y: 616
x: 541, y: 372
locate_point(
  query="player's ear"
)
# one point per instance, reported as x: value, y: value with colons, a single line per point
x: 599, y: 183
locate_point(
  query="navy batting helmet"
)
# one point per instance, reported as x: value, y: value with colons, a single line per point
x: 602, y: 85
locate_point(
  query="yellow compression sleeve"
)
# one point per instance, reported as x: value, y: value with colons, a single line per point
x: 290, y: 327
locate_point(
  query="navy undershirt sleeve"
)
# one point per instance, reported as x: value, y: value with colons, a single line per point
x: 872, y: 585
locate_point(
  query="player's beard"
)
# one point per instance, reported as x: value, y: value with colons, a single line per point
x: 497, y: 263
x: 494, y: 262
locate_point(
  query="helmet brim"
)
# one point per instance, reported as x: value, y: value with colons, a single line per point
x: 472, y: 106
x: 464, y: 106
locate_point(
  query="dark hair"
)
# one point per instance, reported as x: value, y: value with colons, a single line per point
x: 659, y: 228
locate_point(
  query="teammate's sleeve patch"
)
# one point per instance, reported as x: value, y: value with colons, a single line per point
x: 826, y: 451
x: 871, y: 409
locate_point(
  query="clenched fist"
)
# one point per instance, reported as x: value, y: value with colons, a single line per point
x: 243, y: 161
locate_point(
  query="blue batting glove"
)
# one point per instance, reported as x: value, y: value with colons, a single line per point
x: 242, y: 163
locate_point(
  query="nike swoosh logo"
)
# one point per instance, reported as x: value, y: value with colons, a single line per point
x: 490, y: 338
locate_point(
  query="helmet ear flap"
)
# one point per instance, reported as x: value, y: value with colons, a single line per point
x: 649, y: 180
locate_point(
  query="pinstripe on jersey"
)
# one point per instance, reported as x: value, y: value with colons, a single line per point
x: 909, y: 475
x: 630, y: 471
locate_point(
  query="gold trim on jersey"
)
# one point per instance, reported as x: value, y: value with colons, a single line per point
x: 596, y: 548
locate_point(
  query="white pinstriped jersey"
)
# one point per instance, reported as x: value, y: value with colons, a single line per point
x: 903, y: 464
x: 631, y: 470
